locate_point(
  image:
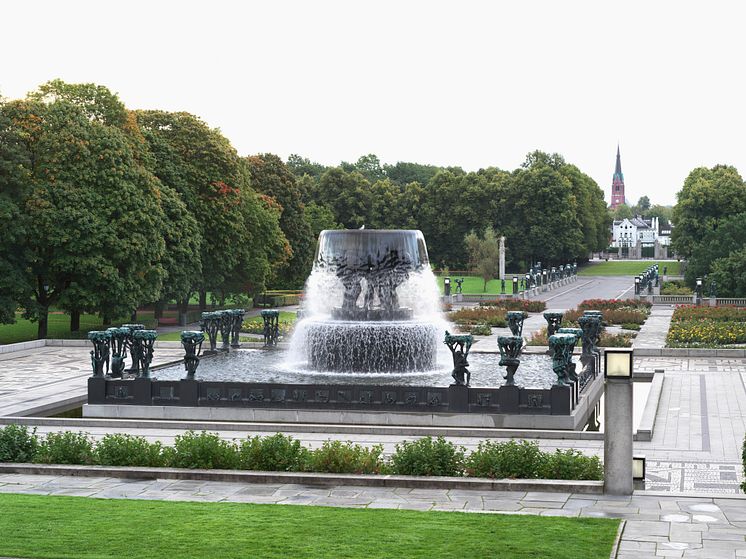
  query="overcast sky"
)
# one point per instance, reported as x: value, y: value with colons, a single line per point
x: 474, y: 84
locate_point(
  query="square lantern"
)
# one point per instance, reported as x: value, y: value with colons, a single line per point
x: 618, y: 363
x: 638, y: 468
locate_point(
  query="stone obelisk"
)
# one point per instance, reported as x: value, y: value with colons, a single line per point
x: 502, y: 258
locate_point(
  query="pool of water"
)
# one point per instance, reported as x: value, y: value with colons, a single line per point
x: 275, y: 366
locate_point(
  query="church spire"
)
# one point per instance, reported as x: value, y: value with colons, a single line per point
x: 618, y: 170
x: 617, y: 183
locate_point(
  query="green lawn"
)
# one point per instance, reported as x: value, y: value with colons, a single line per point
x: 59, y: 327
x: 37, y: 526
x: 176, y: 336
x: 474, y: 285
x: 627, y: 268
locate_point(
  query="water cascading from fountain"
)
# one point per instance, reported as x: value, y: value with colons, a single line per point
x: 371, y: 305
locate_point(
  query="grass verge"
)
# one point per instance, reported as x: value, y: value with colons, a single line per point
x: 627, y: 268
x: 82, y: 528
x: 474, y: 285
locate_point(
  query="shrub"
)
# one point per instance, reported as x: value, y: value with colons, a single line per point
x: 337, y: 457
x: 675, y: 287
x: 524, y: 305
x: 511, y: 459
x: 539, y: 338
x: 18, y: 444
x: 614, y: 304
x: 494, y: 317
x: 428, y: 457
x: 614, y: 316
x: 128, y: 450
x: 202, y: 451
x: 479, y: 329
x: 277, y: 453
x: 571, y: 464
x: 67, y: 447
x: 616, y: 340
x: 629, y: 326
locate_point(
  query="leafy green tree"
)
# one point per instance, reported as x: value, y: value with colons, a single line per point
x: 88, y: 209
x: 622, y: 211
x: 269, y: 175
x: 545, y: 213
x: 643, y: 205
x: 664, y: 213
x: 300, y: 166
x: 348, y: 195
x: 320, y: 217
x: 728, y: 238
x: 200, y: 164
x: 484, y: 254
x: 729, y: 273
x: 406, y: 173
x: 368, y: 165
x: 708, y: 197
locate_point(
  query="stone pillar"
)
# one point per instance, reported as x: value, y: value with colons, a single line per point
x: 657, y: 249
x: 618, y: 436
x: 502, y: 258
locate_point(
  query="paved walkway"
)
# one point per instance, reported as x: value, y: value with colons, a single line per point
x: 653, y: 333
x: 34, y: 380
x: 655, y: 525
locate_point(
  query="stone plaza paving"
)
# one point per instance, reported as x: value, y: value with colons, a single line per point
x: 692, y: 505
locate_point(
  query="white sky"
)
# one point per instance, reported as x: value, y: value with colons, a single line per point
x: 474, y: 84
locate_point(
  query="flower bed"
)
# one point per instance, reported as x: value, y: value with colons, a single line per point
x: 614, y: 304
x: 425, y: 456
x: 693, y: 326
x: 490, y: 316
x: 516, y: 305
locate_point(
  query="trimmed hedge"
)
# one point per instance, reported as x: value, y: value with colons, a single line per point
x: 282, y: 453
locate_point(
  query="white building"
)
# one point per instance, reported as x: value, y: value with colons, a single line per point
x: 628, y: 232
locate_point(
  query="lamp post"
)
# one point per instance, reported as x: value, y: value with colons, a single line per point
x: 618, y: 455
x: 515, y: 286
x: 637, y: 285
x: 699, y: 291
x: 447, y: 286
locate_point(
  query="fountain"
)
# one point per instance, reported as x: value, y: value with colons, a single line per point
x: 371, y: 305
x: 367, y: 348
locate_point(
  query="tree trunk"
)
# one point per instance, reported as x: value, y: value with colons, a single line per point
x: 43, y: 323
x: 133, y: 317
x: 202, y: 299
x: 158, y: 312
x: 106, y: 319
x: 75, y: 321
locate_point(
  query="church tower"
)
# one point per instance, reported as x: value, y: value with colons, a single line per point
x: 617, y: 183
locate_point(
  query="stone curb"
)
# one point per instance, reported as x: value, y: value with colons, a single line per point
x: 688, y: 352
x: 244, y: 476
x: 618, y: 539
x: 647, y: 422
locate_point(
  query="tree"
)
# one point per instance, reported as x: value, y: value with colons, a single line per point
x: 348, y: 195
x: 484, y: 254
x: 728, y: 238
x: 622, y: 211
x: 300, y: 166
x: 320, y: 217
x: 269, y: 175
x: 88, y: 209
x: 729, y: 274
x: 200, y: 164
x: 367, y: 165
x: 664, y: 213
x: 643, y: 205
x: 708, y: 197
